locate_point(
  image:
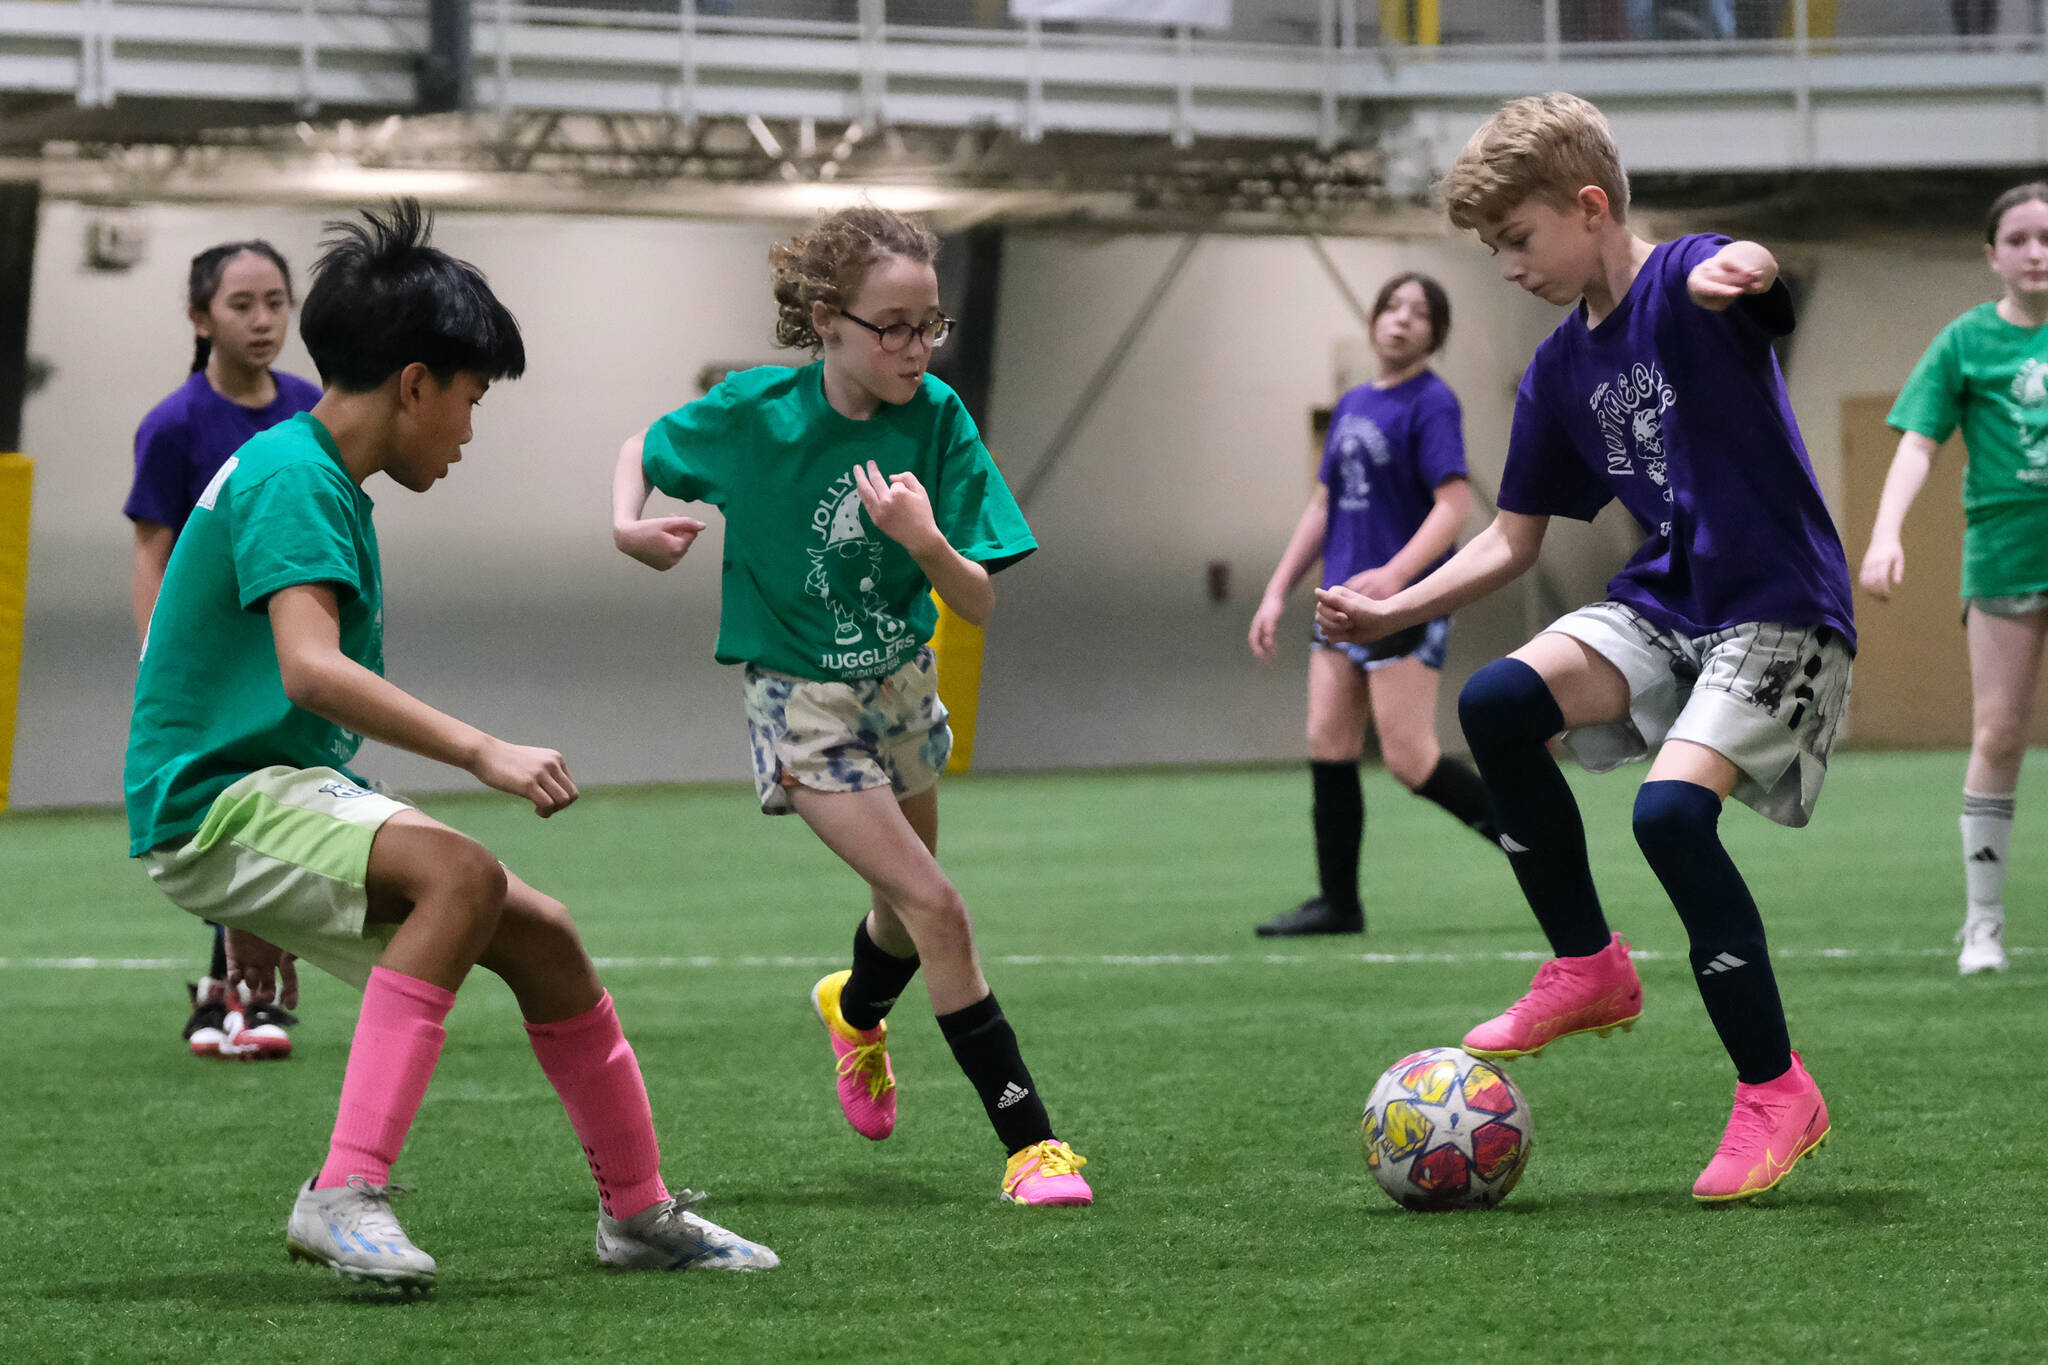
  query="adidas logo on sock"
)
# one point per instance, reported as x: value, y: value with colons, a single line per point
x: 1726, y: 962
x: 1984, y: 855
x: 1012, y: 1093
x: 1509, y: 843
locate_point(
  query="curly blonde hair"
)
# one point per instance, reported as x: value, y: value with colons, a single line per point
x: 829, y: 264
x: 1542, y: 147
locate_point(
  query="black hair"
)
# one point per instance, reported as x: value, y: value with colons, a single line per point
x: 203, y: 282
x: 2031, y: 192
x: 382, y: 299
x: 1432, y: 294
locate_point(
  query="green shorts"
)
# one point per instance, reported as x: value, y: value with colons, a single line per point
x: 284, y: 854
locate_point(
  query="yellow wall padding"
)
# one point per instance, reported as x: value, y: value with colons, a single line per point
x: 959, y: 643
x: 17, y: 474
x: 1412, y: 21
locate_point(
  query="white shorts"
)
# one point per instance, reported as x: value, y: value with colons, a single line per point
x: 284, y: 854
x: 1768, y: 698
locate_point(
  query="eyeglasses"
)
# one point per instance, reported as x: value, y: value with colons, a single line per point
x: 897, y: 335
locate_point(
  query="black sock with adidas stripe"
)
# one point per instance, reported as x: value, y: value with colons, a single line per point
x: 1677, y: 825
x: 986, y: 1047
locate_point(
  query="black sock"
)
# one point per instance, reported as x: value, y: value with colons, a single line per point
x: 986, y: 1047
x: 1509, y: 717
x: 1463, y: 793
x: 217, y: 968
x: 878, y: 978
x: 1676, y: 825
x: 1339, y: 815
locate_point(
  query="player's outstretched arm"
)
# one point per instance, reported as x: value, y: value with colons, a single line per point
x: 902, y: 511
x: 1495, y: 557
x: 1736, y: 269
x: 1304, y: 548
x: 305, y: 623
x: 657, y: 542
x: 1452, y: 503
x: 1884, y: 563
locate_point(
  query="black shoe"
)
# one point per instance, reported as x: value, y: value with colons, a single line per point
x: 205, y: 1031
x: 1315, y: 916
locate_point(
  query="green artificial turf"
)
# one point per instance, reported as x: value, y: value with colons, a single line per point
x: 1214, y: 1080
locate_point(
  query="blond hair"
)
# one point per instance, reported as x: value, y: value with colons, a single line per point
x: 829, y: 264
x: 1542, y: 147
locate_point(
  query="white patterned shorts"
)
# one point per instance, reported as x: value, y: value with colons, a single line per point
x: 847, y: 736
x: 1768, y: 698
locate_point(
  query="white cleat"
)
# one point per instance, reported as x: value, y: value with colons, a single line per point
x: 1983, y: 940
x: 669, y: 1237
x: 351, y: 1230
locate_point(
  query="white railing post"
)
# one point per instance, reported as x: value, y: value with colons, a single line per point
x: 874, y: 76
x: 1184, y: 92
x: 503, y: 93
x: 1553, y: 33
x: 309, y: 56
x: 686, y: 63
x: 1034, y: 81
x: 1808, y: 149
x: 95, y: 53
x: 1347, y: 25
x: 1326, y: 123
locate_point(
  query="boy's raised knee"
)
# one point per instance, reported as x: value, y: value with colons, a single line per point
x: 1674, y: 818
x: 1505, y: 703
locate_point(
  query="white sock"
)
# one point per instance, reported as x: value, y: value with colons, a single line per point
x: 1987, y: 836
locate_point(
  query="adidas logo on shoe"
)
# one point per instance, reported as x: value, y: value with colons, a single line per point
x: 1726, y: 962
x: 1510, y: 844
x: 1012, y: 1093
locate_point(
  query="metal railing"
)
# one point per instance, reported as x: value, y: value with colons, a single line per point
x: 1292, y: 69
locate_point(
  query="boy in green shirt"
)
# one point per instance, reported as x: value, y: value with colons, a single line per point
x: 262, y: 673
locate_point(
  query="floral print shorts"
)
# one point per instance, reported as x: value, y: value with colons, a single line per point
x: 847, y: 736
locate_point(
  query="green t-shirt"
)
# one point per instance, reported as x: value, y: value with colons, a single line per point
x: 210, y: 706
x: 1990, y: 378
x: 809, y: 587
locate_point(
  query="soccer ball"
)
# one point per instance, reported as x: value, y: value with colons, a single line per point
x: 1445, y: 1130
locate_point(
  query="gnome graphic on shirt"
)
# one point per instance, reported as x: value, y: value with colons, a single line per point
x: 847, y: 571
x: 2030, y: 412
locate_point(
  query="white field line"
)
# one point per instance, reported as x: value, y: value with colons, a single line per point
x: 102, y: 964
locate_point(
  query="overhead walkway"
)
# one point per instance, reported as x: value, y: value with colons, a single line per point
x: 1795, y: 86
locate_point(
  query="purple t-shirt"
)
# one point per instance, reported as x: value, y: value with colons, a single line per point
x: 186, y: 438
x: 1681, y: 413
x: 1387, y: 451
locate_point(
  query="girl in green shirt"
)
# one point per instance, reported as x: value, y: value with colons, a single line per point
x: 851, y: 488
x: 1987, y: 375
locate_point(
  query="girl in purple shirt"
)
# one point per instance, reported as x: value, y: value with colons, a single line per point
x: 239, y: 296
x: 1387, y: 507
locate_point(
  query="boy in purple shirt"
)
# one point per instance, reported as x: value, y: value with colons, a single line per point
x: 239, y: 298
x: 1725, y: 644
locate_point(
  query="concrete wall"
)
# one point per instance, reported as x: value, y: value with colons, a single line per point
x: 507, y: 604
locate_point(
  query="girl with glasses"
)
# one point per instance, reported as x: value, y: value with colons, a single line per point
x: 851, y: 488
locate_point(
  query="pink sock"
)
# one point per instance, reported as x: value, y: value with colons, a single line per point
x: 398, y: 1040
x: 593, y: 1069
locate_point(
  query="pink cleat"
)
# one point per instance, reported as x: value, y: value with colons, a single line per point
x: 1774, y: 1124
x: 1596, y: 994
x: 867, y: 1083
x: 1047, y: 1173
